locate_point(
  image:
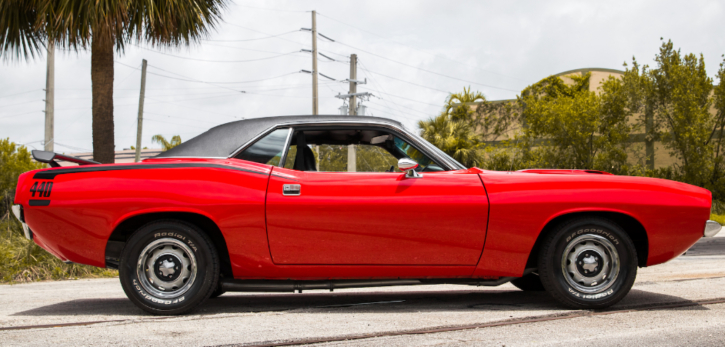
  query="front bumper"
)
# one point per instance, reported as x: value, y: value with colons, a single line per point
x: 711, y: 228
x: 18, y: 212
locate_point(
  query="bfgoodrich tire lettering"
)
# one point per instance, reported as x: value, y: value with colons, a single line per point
x: 169, y: 267
x: 588, y: 263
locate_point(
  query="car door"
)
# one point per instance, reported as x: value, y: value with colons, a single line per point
x: 375, y: 218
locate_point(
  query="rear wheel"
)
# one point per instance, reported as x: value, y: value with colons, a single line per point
x: 588, y: 263
x: 169, y: 267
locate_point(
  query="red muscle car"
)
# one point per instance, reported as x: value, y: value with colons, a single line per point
x: 318, y: 202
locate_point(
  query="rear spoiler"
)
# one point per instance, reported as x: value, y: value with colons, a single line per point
x: 50, y: 157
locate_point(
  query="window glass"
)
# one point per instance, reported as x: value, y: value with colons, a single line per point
x: 373, y: 150
x: 368, y: 158
x: 267, y: 150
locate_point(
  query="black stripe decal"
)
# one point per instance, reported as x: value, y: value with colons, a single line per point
x: 39, y: 202
x: 50, y: 174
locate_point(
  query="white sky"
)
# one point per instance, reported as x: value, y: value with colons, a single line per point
x: 498, y: 47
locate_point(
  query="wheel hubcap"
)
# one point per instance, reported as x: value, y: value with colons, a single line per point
x: 590, y: 263
x: 166, y: 268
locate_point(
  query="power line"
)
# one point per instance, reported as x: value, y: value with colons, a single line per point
x: 30, y: 91
x: 434, y: 55
x: 262, y: 32
x: 219, y: 61
x: 271, y: 9
x: 20, y: 114
x: 379, y: 88
x: 259, y: 38
x: 188, y: 79
x: 191, y: 108
x: 243, y: 49
x: 21, y: 103
x: 210, y: 83
x: 177, y: 117
x: 424, y: 70
x: 415, y: 84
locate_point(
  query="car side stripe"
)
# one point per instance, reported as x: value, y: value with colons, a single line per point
x: 50, y: 174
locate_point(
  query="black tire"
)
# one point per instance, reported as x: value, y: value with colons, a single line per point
x: 181, y: 256
x: 587, y: 283
x: 217, y: 292
x: 529, y: 283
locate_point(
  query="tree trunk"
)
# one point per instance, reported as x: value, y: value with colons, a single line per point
x: 102, y: 82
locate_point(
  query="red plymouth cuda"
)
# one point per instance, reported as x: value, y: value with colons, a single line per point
x: 330, y: 202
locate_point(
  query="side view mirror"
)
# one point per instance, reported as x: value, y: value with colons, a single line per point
x: 409, y: 165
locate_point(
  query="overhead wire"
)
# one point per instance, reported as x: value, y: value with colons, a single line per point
x: 21, y: 103
x: 219, y: 61
x: 20, y: 114
x: 379, y: 89
x: 419, y: 50
x: 408, y: 82
x: 270, y: 9
x: 255, y: 39
x: 30, y: 91
x: 262, y: 32
x: 424, y: 70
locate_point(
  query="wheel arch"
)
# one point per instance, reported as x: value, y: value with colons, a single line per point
x: 631, y: 226
x: 124, y: 229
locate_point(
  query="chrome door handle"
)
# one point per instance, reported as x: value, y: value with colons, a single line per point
x: 291, y: 189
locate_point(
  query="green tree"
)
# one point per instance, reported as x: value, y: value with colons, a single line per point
x: 14, y: 160
x: 104, y: 26
x: 681, y: 102
x: 569, y: 126
x: 166, y: 144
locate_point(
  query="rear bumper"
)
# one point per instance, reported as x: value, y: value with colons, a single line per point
x: 20, y: 215
x: 711, y: 228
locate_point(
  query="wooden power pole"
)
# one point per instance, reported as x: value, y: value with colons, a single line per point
x: 139, y: 127
x: 49, y: 99
x: 314, y: 64
x: 353, y: 84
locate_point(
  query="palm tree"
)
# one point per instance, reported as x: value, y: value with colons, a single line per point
x: 454, y: 130
x: 165, y: 144
x: 104, y: 26
x: 456, y: 104
x: 454, y: 137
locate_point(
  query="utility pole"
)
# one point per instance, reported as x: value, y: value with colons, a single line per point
x: 140, y: 110
x: 50, y: 98
x: 351, y: 153
x: 314, y: 64
x: 353, y: 84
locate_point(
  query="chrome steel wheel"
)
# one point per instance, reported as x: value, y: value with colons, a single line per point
x: 590, y: 263
x: 166, y: 268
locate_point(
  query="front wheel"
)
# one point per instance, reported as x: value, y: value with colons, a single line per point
x: 169, y: 267
x: 588, y: 263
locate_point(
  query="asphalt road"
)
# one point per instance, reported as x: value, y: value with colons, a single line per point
x: 674, y: 304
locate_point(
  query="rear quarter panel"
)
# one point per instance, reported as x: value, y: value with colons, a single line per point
x: 521, y: 204
x: 86, y: 207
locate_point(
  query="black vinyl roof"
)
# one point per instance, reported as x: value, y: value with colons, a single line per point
x: 223, y: 140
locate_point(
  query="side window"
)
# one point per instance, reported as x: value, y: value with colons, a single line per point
x: 267, y: 150
x: 352, y: 150
x: 335, y: 158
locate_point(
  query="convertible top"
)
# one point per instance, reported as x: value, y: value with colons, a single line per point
x: 222, y: 140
